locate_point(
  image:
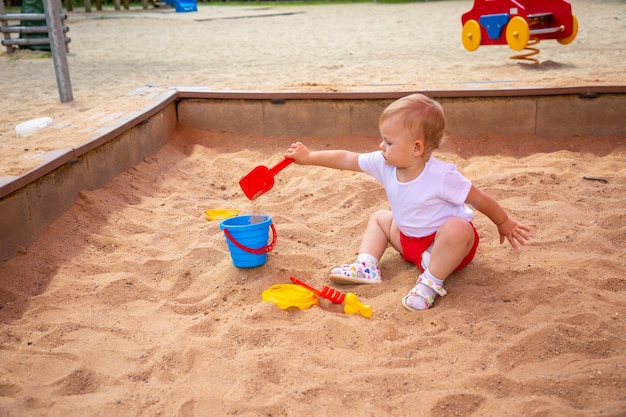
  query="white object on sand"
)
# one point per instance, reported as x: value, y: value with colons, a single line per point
x: 32, y: 126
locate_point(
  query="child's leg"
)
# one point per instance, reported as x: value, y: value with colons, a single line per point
x: 453, y: 242
x: 380, y: 231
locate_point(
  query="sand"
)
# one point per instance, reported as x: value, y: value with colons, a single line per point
x: 130, y: 304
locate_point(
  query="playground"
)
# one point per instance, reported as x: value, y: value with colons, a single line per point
x: 296, y: 48
x: 129, y: 304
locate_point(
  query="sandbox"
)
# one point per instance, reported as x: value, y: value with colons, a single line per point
x: 121, y: 297
x: 114, y: 141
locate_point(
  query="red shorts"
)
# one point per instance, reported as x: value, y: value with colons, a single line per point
x: 414, y: 247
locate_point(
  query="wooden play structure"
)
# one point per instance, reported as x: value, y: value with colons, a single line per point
x: 521, y: 24
x: 56, y: 39
x: 12, y: 34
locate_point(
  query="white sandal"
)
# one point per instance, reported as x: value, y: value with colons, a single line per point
x: 359, y: 272
x: 417, y: 291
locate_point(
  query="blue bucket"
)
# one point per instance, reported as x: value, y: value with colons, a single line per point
x: 247, y: 238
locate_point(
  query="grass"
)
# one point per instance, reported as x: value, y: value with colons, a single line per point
x: 26, y: 54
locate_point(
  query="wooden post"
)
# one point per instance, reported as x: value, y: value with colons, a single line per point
x: 57, y: 47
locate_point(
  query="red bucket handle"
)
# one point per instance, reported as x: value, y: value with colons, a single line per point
x: 260, y: 251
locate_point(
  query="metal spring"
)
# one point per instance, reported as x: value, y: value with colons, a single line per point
x: 530, y: 52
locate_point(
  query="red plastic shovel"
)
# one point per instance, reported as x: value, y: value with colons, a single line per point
x: 261, y: 179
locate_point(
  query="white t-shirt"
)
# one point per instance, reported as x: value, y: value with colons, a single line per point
x: 422, y: 205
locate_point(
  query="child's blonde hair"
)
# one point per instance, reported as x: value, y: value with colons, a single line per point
x: 422, y: 117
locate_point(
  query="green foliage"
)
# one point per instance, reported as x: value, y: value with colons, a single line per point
x: 300, y: 2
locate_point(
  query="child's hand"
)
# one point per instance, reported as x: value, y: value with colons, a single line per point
x: 516, y: 233
x: 298, y: 152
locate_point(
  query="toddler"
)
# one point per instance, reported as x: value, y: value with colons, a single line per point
x: 429, y: 223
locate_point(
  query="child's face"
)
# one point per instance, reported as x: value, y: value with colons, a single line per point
x: 398, y: 148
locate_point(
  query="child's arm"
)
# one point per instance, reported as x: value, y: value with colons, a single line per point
x: 516, y: 233
x: 336, y: 159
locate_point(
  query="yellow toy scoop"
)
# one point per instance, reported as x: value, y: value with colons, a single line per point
x: 219, y: 214
x: 290, y: 295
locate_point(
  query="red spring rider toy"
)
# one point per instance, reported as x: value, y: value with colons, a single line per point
x: 518, y: 23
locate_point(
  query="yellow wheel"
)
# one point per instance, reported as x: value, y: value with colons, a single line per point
x: 517, y: 33
x: 471, y: 35
x: 571, y: 37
